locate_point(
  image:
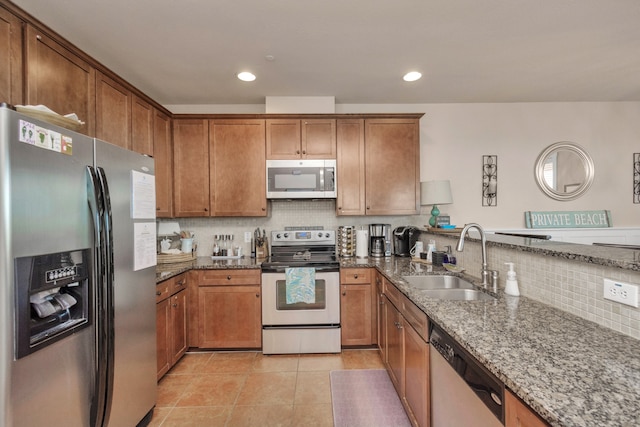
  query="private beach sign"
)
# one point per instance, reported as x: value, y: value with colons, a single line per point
x: 568, y: 219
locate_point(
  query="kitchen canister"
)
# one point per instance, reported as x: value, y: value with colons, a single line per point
x: 362, y: 243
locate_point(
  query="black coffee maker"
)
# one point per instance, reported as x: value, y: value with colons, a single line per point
x: 404, y: 237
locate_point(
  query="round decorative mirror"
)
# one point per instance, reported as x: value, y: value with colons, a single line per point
x: 564, y: 171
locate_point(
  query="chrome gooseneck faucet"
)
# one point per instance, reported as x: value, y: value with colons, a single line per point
x: 485, y: 272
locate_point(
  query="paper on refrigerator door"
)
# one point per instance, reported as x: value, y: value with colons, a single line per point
x: 143, y: 195
x: 144, y: 245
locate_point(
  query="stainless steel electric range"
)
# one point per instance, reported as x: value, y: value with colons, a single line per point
x: 301, y: 292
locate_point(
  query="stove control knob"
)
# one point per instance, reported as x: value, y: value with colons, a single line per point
x: 278, y: 236
x: 319, y: 234
x: 286, y: 235
x: 326, y: 235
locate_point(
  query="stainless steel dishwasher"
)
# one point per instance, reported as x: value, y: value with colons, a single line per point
x: 463, y: 392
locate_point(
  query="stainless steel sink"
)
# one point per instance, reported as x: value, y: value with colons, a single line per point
x: 458, y: 294
x: 437, y: 282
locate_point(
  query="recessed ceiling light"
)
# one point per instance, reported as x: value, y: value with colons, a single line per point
x: 412, y: 76
x: 246, y: 76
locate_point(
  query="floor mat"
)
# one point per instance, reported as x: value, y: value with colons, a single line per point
x: 365, y: 398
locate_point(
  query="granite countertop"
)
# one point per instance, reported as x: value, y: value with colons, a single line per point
x: 571, y: 371
x: 167, y: 271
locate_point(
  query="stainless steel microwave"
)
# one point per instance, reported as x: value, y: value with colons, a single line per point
x: 301, y: 179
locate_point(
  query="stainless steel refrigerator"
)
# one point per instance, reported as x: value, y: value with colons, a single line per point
x: 77, y: 279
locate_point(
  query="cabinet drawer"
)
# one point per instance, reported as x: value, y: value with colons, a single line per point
x: 162, y: 290
x: 416, y: 317
x: 394, y: 295
x: 229, y: 277
x: 357, y: 276
x: 179, y: 284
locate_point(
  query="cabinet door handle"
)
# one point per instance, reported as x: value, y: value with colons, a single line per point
x: 344, y: 293
x: 158, y: 293
x: 158, y: 208
x: 304, y: 151
x: 180, y: 282
x: 174, y: 305
x: 206, y: 209
x: 228, y: 277
x: 355, y: 276
x: 257, y: 295
x: 297, y: 151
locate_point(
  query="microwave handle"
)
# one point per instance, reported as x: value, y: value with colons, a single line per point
x: 330, y: 182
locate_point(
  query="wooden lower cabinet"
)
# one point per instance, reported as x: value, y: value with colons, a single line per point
x: 416, y: 377
x: 406, y: 352
x: 171, y: 322
x: 517, y: 414
x: 395, y: 346
x: 380, y: 302
x: 357, y: 307
x: 229, y: 309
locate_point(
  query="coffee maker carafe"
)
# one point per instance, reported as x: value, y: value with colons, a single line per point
x: 380, y: 240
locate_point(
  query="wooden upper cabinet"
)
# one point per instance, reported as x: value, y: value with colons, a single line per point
x: 113, y: 112
x: 10, y: 58
x: 283, y: 139
x: 59, y: 79
x: 350, y: 167
x: 301, y: 139
x: 123, y: 118
x: 392, y: 157
x: 191, y: 168
x: 237, y: 168
x: 319, y: 138
x: 163, y: 157
x: 142, y: 115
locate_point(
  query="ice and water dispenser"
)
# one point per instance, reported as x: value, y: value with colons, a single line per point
x: 52, y: 298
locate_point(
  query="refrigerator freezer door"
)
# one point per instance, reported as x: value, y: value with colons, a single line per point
x: 134, y: 375
x: 44, y: 210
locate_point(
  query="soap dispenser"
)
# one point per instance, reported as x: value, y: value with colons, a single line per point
x: 511, y: 287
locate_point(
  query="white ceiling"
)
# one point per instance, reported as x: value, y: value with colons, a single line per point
x: 189, y: 51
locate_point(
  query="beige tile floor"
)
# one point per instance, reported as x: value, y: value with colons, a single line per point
x: 251, y: 389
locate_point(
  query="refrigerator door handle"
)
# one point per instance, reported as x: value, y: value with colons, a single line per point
x: 109, y: 298
x: 99, y: 205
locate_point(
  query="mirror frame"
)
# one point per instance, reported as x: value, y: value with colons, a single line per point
x: 587, y: 162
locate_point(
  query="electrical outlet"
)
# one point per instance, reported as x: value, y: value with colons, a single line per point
x: 624, y: 293
x: 247, y: 237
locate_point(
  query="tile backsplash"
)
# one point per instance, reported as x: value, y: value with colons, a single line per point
x: 572, y: 286
x: 283, y: 213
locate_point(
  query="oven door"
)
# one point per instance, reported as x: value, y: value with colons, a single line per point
x: 324, y: 311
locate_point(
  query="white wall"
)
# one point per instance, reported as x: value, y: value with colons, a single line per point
x: 454, y: 137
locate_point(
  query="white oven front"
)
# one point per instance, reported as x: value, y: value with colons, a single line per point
x: 325, y: 310
x: 301, y: 327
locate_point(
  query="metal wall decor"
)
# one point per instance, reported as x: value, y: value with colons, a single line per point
x: 636, y: 177
x: 489, y: 180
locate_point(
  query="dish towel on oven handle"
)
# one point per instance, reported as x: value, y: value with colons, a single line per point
x: 300, y: 285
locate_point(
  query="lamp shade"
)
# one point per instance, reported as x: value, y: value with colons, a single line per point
x: 435, y: 192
